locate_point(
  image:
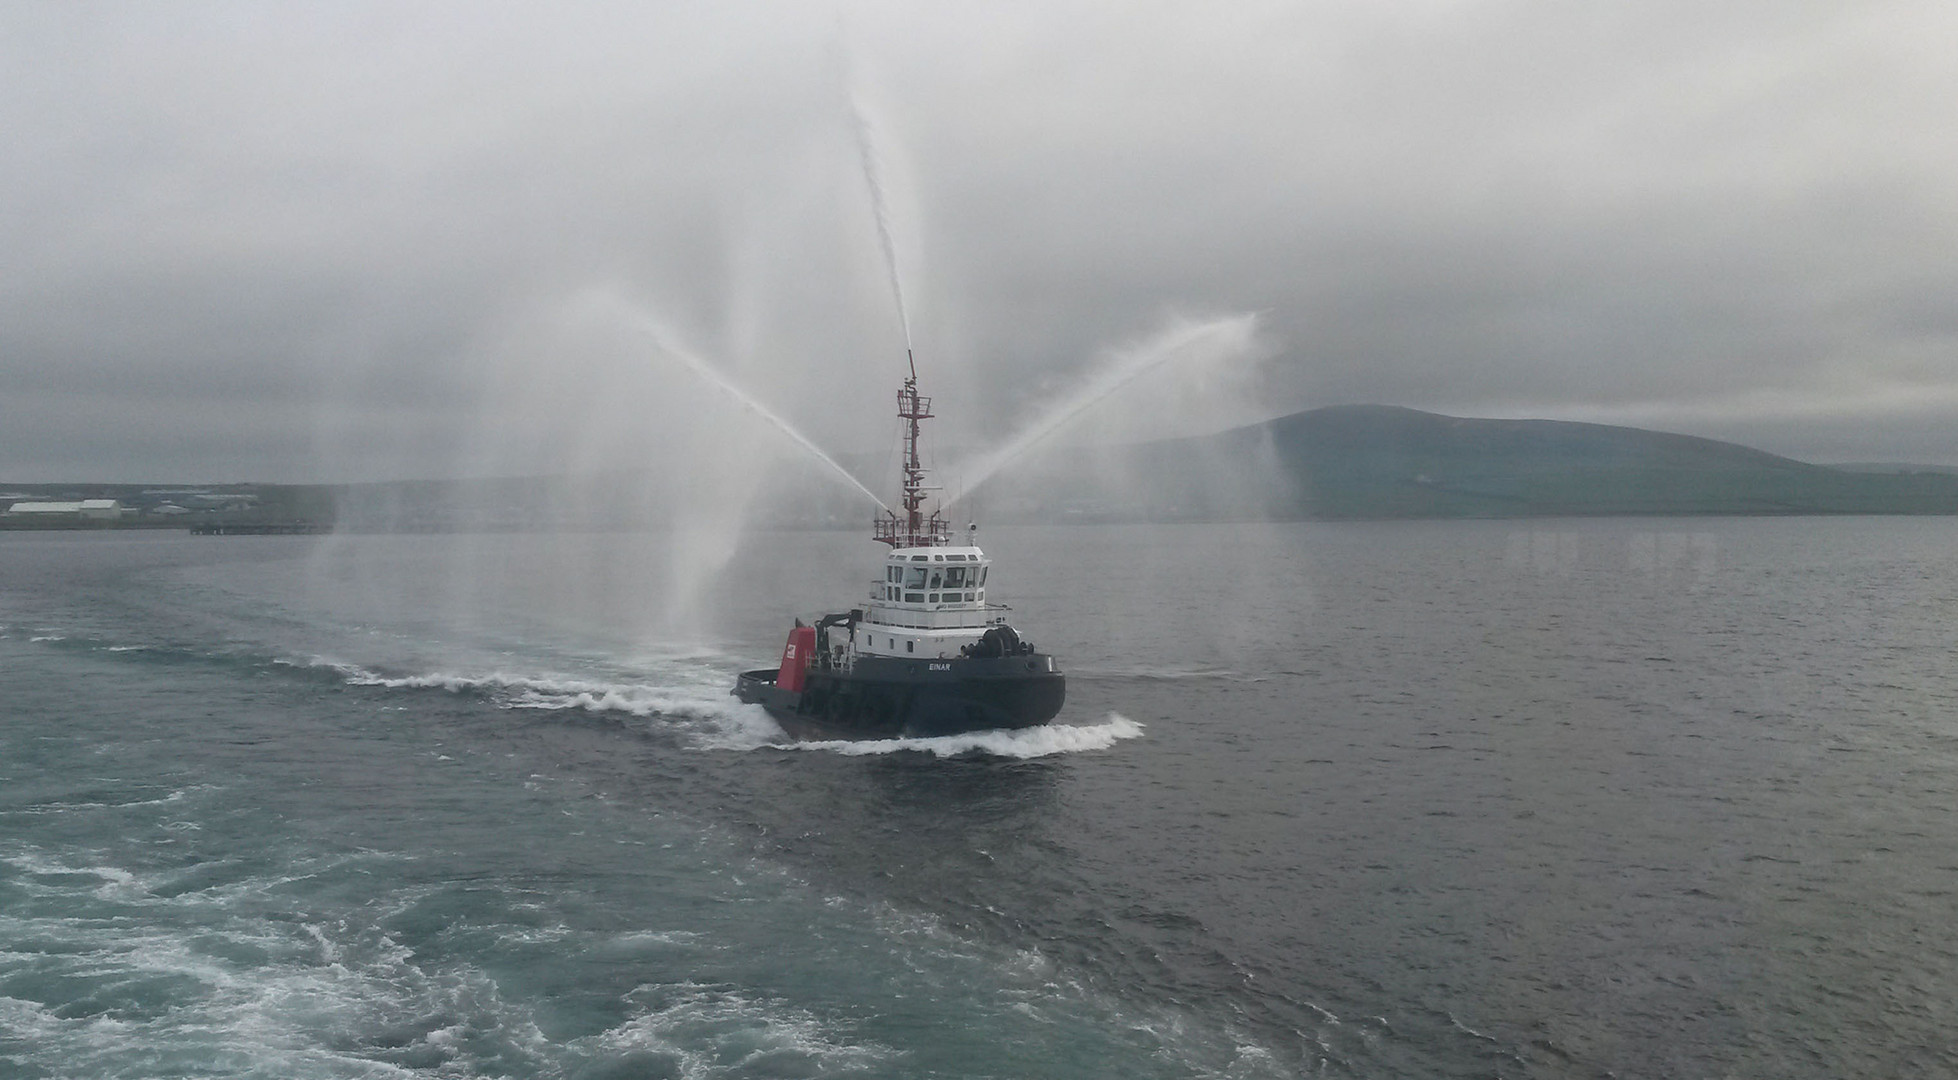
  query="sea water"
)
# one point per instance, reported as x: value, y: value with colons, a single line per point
x: 1540, y: 799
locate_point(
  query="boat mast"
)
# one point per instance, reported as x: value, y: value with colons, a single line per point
x: 914, y: 529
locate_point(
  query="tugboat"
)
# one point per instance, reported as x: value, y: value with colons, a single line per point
x: 928, y: 655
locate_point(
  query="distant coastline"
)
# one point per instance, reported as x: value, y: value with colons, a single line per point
x: 1388, y: 462
x: 1364, y: 462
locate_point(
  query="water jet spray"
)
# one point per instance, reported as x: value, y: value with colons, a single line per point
x: 1230, y: 336
x: 667, y: 343
x: 873, y: 175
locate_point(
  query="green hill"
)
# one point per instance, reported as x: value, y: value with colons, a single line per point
x: 1378, y: 461
x: 1375, y: 461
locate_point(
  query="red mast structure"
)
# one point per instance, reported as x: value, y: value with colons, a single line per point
x: 914, y: 529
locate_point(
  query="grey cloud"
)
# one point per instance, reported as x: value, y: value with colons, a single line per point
x: 1737, y: 218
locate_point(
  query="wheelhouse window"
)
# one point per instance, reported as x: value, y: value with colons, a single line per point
x: 915, y: 578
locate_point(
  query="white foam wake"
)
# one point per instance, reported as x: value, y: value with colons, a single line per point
x: 722, y: 723
x: 1021, y: 743
x: 697, y: 694
x: 545, y: 691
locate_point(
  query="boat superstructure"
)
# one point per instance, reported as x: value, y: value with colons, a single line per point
x: 927, y: 653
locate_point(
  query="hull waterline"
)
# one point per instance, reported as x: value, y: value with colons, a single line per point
x: 912, y: 698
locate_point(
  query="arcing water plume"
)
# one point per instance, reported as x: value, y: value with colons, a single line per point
x: 874, y: 179
x: 1221, y: 338
x: 664, y: 339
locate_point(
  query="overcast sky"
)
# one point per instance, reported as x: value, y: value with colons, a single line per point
x: 356, y: 241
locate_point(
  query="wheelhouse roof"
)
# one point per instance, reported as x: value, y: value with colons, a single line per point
x: 909, y: 554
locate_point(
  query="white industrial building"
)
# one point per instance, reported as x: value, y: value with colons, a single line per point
x: 86, y: 509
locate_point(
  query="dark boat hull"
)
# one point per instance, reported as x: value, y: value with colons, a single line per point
x: 888, y: 698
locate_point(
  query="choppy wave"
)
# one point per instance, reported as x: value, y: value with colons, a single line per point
x: 246, y: 981
x: 59, y: 806
x: 1162, y: 674
x: 257, y: 978
x: 744, y: 1037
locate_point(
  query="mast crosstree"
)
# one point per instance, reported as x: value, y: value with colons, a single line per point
x: 915, y: 528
